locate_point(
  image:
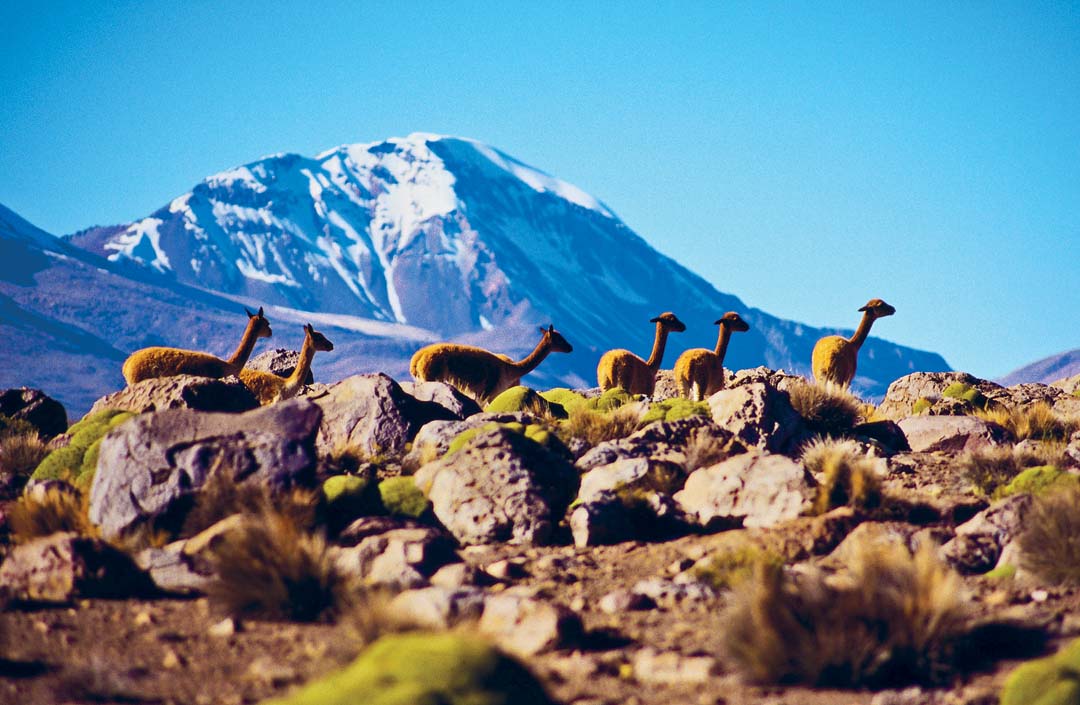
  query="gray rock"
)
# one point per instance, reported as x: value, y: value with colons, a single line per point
x: 1069, y: 385
x: 754, y: 489
x: 620, y: 601
x: 64, y: 566
x: 670, y: 593
x: 372, y: 413
x: 759, y: 415
x: 280, y: 362
x: 979, y: 542
x: 630, y: 474
x: 526, y: 626
x: 150, y: 467
x: 672, y: 668
x: 603, y: 520
x: 662, y: 440
x: 903, y: 393
x: 36, y: 408
x: 444, y: 395
x: 364, y: 527
x: 181, y: 392
x: 501, y: 486
x: 400, y: 558
x: 455, y: 575
x: 173, y: 570
x: 777, y: 379
x: 434, y: 438
x: 1072, y: 450
x: 956, y: 434
x: 438, y: 607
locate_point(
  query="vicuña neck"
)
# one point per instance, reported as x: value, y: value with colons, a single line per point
x: 722, y: 342
x: 533, y: 360
x: 658, y: 348
x: 303, y: 364
x: 247, y: 344
x: 863, y: 330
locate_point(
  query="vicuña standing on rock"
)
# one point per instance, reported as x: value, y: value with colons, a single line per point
x: 481, y: 374
x: 149, y: 363
x: 268, y: 387
x: 699, y: 373
x: 622, y: 368
x: 835, y: 356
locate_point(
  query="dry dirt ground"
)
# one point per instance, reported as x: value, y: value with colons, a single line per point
x: 179, y: 650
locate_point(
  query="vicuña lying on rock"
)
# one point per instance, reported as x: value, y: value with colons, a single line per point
x: 835, y: 356
x: 622, y: 368
x: 699, y: 373
x: 481, y: 374
x: 149, y: 363
x: 268, y: 387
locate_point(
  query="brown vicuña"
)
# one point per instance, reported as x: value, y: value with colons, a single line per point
x: 268, y: 387
x: 622, y: 368
x: 835, y: 357
x: 699, y: 373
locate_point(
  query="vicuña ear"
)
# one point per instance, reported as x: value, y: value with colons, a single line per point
x: 249, y: 313
x: 654, y: 320
x: 866, y: 308
x: 260, y: 312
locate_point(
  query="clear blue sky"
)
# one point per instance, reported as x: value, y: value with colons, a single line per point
x: 803, y: 156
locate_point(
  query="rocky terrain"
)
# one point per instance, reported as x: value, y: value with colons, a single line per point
x: 779, y: 543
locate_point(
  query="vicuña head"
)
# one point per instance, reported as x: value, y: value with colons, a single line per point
x: 835, y: 357
x: 150, y: 363
x: 622, y: 368
x: 478, y: 373
x: 699, y: 373
x: 268, y: 387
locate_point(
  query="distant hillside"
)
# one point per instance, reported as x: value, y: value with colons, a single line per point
x: 1047, y: 370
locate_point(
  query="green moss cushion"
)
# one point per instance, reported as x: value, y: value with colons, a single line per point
x: 425, y: 669
x: 401, y: 497
x: 674, y: 409
x: 1054, y: 680
x: 77, y: 461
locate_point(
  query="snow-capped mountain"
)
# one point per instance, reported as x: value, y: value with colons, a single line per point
x: 457, y: 238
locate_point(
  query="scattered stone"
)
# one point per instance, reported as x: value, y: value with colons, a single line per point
x: 171, y: 660
x: 172, y: 570
x: 979, y: 543
x: 400, y: 558
x: 180, y: 392
x: 501, y: 486
x: 669, y: 593
x: 372, y: 413
x: 672, y: 668
x: 507, y: 569
x: 621, y: 601
x: 526, y: 626
x: 65, y: 566
x: 438, y: 607
x: 444, y: 395
x: 602, y: 521
x: 224, y: 628
x: 753, y: 490
x: 36, y: 408
x: 149, y: 467
x: 364, y: 527
x: 455, y: 575
x: 954, y: 434
x: 271, y: 671
x: 759, y: 415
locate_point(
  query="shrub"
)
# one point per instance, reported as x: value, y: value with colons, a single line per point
x: 594, y: 426
x: 733, y: 567
x: 76, y: 459
x: 921, y: 404
x: 1038, y: 480
x: 522, y: 398
x: 49, y: 509
x: 1050, y: 540
x: 894, y: 620
x: 1054, y: 680
x: 401, y: 497
x: 1037, y: 421
x: 270, y: 567
x: 704, y: 449
x: 828, y: 409
x: 965, y: 392
x: 20, y: 453
x: 990, y: 469
x: 674, y: 409
x: 447, y: 668
x: 847, y: 476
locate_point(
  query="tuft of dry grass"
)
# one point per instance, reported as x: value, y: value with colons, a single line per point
x: 894, y: 619
x: 271, y: 568
x: 20, y: 453
x: 846, y: 473
x: 735, y: 566
x: 49, y: 509
x: 1050, y: 540
x: 595, y: 427
x: 990, y: 469
x: 1036, y: 421
x: 829, y: 409
x: 704, y: 449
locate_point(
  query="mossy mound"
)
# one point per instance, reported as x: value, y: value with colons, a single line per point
x: 535, y: 432
x: 521, y: 398
x: 401, y: 497
x: 349, y: 496
x: 566, y: 398
x: 1054, y: 680
x: 674, y: 409
x: 1038, y: 480
x: 77, y: 461
x: 965, y: 392
x: 611, y: 399
x: 425, y: 669
x: 921, y: 404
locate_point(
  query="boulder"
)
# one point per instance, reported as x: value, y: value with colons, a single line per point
x: 400, y: 558
x: 173, y: 570
x: 904, y: 393
x: 777, y: 379
x: 753, y: 490
x: 434, y: 438
x: 602, y: 520
x: 955, y: 434
x: 444, y: 395
x: 36, y: 408
x: 501, y: 486
x: 759, y: 415
x: 662, y: 440
x: 526, y: 626
x: 979, y: 542
x: 374, y: 414
x: 632, y: 474
x: 64, y: 566
x: 180, y: 392
x: 280, y: 362
x: 150, y: 467
x: 672, y: 668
